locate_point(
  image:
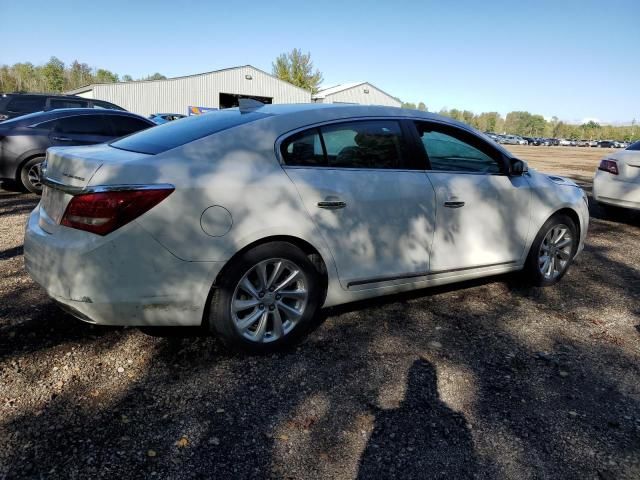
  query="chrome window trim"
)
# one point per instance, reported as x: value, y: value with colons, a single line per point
x: 283, y: 137
x: 71, y: 190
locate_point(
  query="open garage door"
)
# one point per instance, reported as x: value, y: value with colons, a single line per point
x: 230, y: 100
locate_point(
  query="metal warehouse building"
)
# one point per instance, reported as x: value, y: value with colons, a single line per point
x: 363, y: 93
x: 217, y: 89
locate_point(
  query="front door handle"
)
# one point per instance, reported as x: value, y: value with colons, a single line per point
x: 454, y: 204
x: 332, y: 205
x: 63, y: 139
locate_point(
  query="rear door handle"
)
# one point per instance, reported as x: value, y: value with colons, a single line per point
x: 63, y: 139
x: 332, y: 205
x: 454, y: 204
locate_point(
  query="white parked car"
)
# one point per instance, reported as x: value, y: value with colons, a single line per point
x: 617, y: 180
x: 249, y: 220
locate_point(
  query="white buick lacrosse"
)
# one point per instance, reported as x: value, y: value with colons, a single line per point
x: 249, y: 220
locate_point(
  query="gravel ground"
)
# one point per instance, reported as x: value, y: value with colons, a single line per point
x: 488, y: 379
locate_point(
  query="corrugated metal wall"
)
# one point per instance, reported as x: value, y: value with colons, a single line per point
x: 175, y: 95
x: 357, y: 95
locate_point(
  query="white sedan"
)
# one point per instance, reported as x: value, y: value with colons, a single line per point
x: 617, y: 180
x: 249, y: 220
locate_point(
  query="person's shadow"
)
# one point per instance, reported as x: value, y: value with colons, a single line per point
x: 423, y: 438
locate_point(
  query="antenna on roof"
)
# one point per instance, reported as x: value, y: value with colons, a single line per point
x: 248, y: 104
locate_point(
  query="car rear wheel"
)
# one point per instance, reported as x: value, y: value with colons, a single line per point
x: 267, y: 298
x: 31, y: 175
x: 552, y: 251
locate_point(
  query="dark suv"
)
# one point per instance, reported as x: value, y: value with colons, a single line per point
x: 15, y: 104
x: 24, y: 140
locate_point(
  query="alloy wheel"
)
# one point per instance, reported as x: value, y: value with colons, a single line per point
x: 35, y: 176
x: 555, y: 251
x: 269, y: 300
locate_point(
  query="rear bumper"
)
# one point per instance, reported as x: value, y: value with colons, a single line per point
x: 608, y: 190
x: 126, y: 278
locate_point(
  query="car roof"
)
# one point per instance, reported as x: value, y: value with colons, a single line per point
x: 37, y: 117
x: 353, y: 109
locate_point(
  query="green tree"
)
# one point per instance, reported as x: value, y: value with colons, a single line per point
x: 297, y: 68
x: 409, y: 105
x: 105, y: 76
x: 127, y: 78
x: 155, y: 76
x: 422, y: 107
x: 53, y: 72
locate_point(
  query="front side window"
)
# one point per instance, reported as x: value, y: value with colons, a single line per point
x: 451, y: 150
x: 84, y: 125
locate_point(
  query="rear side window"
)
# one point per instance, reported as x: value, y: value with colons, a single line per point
x: 304, y: 149
x: 452, y: 150
x: 125, y: 125
x: 375, y: 144
x: 634, y: 146
x: 105, y: 105
x: 26, y: 104
x: 174, y: 134
x: 56, y: 103
x: 84, y: 125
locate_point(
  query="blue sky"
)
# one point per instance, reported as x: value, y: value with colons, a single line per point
x: 574, y: 59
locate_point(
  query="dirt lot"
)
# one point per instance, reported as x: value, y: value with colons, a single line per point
x: 489, y: 379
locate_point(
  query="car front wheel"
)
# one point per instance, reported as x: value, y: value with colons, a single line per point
x: 552, y: 251
x: 267, y: 298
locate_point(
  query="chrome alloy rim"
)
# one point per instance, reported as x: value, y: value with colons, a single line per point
x: 555, y: 251
x: 35, y: 175
x: 269, y: 300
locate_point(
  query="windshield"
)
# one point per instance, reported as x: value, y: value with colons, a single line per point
x: 175, y: 134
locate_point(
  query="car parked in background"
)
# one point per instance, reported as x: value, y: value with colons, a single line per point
x: 160, y: 118
x: 606, y: 144
x: 24, y: 140
x: 16, y: 104
x: 593, y: 143
x: 249, y: 220
x: 512, y: 140
x: 617, y: 180
x: 582, y: 143
x: 563, y: 142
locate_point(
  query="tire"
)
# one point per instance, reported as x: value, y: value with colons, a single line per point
x: 255, y: 328
x: 610, y: 210
x: 541, y: 274
x: 30, y: 175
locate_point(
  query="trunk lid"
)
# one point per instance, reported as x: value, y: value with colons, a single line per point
x: 628, y: 165
x: 68, y: 171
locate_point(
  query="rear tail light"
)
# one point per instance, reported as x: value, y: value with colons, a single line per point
x: 103, y: 212
x: 610, y: 166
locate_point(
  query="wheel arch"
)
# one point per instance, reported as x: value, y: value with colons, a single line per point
x: 570, y: 212
x: 309, y: 250
x: 24, y: 159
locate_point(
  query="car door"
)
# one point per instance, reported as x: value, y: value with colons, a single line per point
x: 81, y: 130
x: 482, y: 213
x: 369, y: 197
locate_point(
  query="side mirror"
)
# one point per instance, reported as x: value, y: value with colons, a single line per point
x: 518, y: 167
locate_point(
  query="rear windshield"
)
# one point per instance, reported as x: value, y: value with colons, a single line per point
x: 634, y: 146
x: 174, y: 134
